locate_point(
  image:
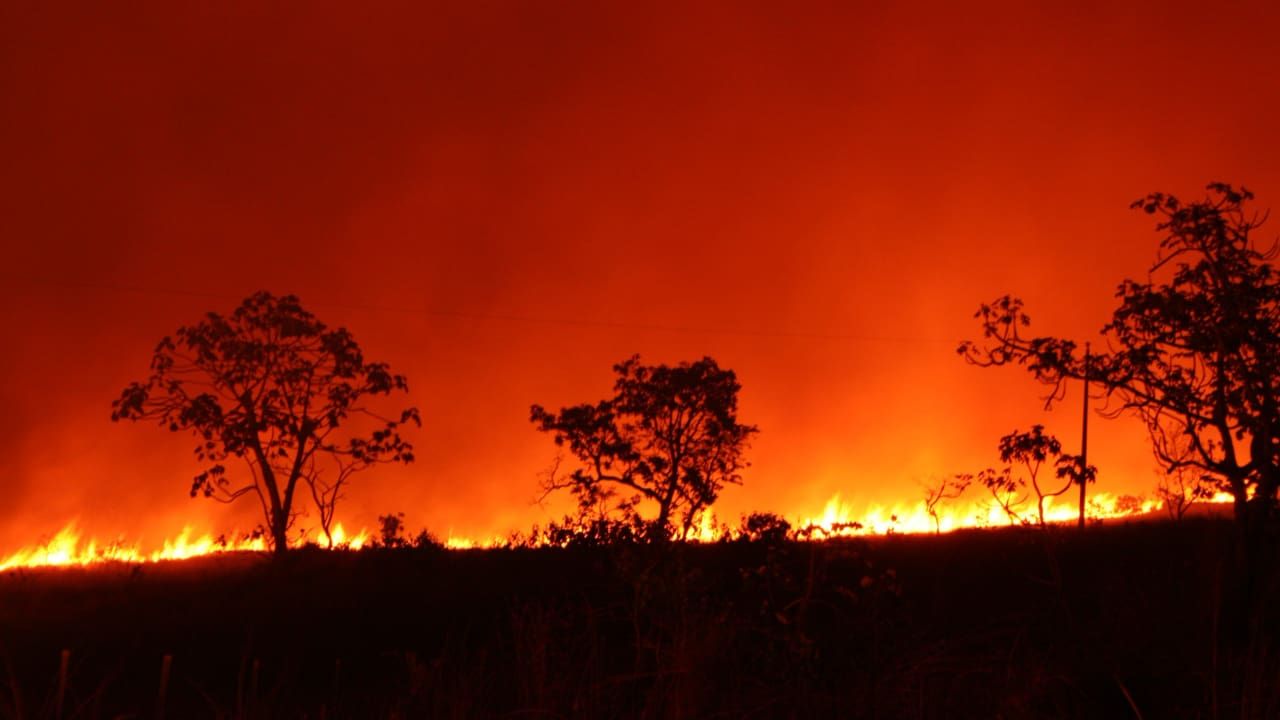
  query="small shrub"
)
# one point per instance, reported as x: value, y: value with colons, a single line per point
x: 391, y: 530
x: 764, y: 527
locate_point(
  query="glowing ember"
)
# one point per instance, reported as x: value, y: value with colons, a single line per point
x: 67, y: 548
x: 838, y: 518
x: 340, y: 539
x: 454, y: 542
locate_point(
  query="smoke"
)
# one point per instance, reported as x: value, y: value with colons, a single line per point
x: 503, y: 201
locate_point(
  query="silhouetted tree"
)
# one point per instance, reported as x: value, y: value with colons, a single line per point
x: 1031, y: 450
x: 669, y: 436
x: 1008, y: 493
x: 1180, y: 490
x: 1024, y: 454
x: 945, y: 489
x: 272, y: 385
x: 1194, y: 349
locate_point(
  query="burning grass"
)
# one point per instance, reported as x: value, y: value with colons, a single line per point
x: 1011, y: 622
x: 70, y: 547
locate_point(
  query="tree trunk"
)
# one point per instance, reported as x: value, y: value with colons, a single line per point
x: 280, y: 534
x: 1240, y: 498
x: 658, y: 531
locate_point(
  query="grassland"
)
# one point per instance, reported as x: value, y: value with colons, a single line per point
x: 1153, y: 620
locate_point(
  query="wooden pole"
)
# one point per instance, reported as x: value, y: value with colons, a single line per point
x: 1084, y: 436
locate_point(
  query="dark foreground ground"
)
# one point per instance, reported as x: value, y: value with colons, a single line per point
x: 1156, y: 620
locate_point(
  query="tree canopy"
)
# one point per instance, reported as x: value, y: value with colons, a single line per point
x: 1193, y: 350
x: 668, y: 436
x: 272, y: 385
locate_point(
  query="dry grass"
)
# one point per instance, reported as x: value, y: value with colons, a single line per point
x: 1152, y: 620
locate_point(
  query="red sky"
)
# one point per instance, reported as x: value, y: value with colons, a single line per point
x: 504, y: 199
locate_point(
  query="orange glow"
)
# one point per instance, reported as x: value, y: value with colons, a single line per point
x: 838, y: 519
x: 817, y: 197
x: 68, y: 547
x: 455, y: 542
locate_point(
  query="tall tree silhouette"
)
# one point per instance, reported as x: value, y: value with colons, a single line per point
x: 274, y: 386
x: 1194, y: 349
x: 669, y: 436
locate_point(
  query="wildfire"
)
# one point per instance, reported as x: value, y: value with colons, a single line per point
x: 455, y: 542
x: 839, y: 518
x: 68, y: 547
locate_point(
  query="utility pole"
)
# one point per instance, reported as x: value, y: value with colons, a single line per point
x: 1084, y: 437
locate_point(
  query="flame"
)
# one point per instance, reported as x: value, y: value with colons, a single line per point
x: 838, y: 517
x: 706, y: 530
x: 340, y: 539
x: 68, y: 547
x: 455, y: 542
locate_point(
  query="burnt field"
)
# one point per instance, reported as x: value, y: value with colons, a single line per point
x: 1144, y: 620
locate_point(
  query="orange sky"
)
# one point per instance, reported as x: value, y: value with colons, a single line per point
x: 503, y: 199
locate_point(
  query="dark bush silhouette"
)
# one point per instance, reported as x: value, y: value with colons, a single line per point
x: 591, y: 531
x: 1195, y: 348
x: 669, y: 436
x: 765, y: 527
x: 394, y: 533
x: 391, y: 533
x: 272, y: 385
